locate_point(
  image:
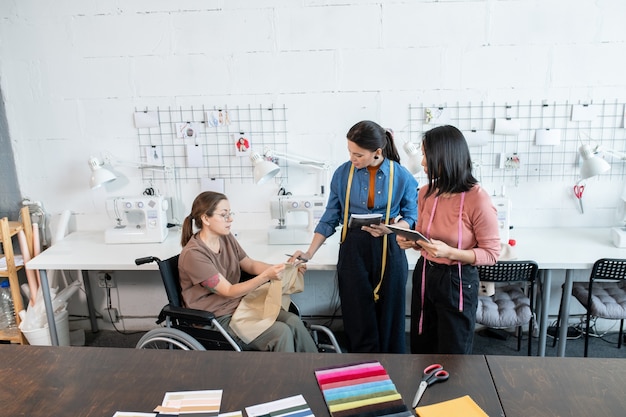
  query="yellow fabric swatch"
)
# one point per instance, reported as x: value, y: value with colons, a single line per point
x: 458, y: 407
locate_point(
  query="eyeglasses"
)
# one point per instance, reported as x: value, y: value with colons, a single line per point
x: 226, y: 216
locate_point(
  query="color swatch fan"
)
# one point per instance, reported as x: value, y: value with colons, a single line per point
x: 360, y: 389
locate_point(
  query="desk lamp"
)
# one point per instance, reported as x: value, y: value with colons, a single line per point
x: 101, y: 175
x: 264, y: 169
x: 593, y: 164
x: 415, y: 157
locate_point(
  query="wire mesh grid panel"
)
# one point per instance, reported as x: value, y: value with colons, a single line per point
x: 210, y: 142
x: 528, y: 141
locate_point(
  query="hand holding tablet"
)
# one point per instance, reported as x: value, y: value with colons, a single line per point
x: 409, y: 234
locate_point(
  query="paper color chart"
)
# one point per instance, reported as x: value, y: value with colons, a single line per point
x: 295, y: 406
x: 198, y: 403
x: 360, y: 389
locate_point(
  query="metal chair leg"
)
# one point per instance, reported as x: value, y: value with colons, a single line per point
x: 587, y: 333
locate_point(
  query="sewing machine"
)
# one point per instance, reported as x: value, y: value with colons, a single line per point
x: 141, y: 219
x: 284, y: 208
x: 503, y: 208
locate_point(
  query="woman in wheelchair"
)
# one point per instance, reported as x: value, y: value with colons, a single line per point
x: 210, y: 267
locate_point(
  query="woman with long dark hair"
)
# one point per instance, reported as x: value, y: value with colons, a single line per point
x: 372, y: 270
x: 460, y: 220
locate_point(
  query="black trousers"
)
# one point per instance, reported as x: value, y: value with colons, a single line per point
x: 445, y: 329
x: 372, y: 326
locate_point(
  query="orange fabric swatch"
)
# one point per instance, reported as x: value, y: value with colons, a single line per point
x: 458, y: 407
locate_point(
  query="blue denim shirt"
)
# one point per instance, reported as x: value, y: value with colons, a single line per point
x: 404, y: 195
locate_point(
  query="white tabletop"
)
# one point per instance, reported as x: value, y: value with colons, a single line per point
x: 87, y: 251
x: 565, y: 248
x: 551, y: 248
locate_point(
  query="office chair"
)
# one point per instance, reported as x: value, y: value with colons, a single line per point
x: 603, y: 296
x: 186, y: 328
x: 512, y: 305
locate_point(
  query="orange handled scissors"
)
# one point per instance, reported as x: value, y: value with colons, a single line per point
x: 578, y: 192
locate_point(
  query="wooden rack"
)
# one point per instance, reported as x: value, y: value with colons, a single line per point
x: 9, y: 230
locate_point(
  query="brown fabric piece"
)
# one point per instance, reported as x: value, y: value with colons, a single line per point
x: 258, y: 309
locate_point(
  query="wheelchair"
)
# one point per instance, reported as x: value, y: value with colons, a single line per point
x: 191, y: 329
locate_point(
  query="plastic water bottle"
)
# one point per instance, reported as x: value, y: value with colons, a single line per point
x: 7, y: 311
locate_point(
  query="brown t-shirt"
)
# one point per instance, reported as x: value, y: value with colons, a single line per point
x: 197, y: 263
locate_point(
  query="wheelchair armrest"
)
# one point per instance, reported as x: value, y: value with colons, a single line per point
x: 182, y: 313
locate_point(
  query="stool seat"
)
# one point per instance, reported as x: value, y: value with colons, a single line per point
x: 508, y: 307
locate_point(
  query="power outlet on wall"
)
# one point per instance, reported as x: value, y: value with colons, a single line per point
x: 105, y: 280
x: 110, y: 315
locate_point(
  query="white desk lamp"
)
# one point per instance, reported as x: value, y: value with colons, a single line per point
x: 101, y: 175
x: 593, y: 164
x: 414, y: 165
x: 264, y: 169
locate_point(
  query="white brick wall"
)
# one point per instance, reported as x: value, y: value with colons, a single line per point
x: 72, y: 73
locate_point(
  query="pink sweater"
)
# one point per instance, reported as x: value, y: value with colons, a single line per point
x: 480, y: 224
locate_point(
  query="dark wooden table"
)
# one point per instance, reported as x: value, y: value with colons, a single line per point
x: 560, y: 386
x: 87, y: 381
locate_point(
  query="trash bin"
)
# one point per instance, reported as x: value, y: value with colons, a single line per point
x: 41, y: 337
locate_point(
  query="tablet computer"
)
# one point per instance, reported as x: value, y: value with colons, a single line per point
x: 408, y: 233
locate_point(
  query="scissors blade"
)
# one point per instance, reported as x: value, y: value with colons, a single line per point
x: 580, y: 201
x: 419, y: 393
x: 299, y: 258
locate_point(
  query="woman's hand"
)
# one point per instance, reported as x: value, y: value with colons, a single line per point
x: 299, y: 256
x: 405, y: 243
x: 436, y: 248
x: 273, y: 271
x: 376, y: 230
x: 301, y: 267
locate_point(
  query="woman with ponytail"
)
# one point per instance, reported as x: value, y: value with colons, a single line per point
x: 210, y: 267
x: 372, y: 270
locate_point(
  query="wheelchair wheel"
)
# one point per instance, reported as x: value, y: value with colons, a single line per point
x: 168, y: 338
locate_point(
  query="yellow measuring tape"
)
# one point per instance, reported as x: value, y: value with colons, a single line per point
x: 344, y: 231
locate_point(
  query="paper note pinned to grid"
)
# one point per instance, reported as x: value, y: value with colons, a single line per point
x: 476, y: 138
x: 360, y: 388
x: 584, y: 112
x: 146, y: 119
x: 547, y: 137
x: 506, y: 127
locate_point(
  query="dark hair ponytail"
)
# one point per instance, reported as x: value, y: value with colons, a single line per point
x: 371, y: 136
x: 204, y: 203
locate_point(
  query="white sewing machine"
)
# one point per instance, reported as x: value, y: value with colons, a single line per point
x: 284, y: 208
x: 141, y: 219
x: 503, y: 207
